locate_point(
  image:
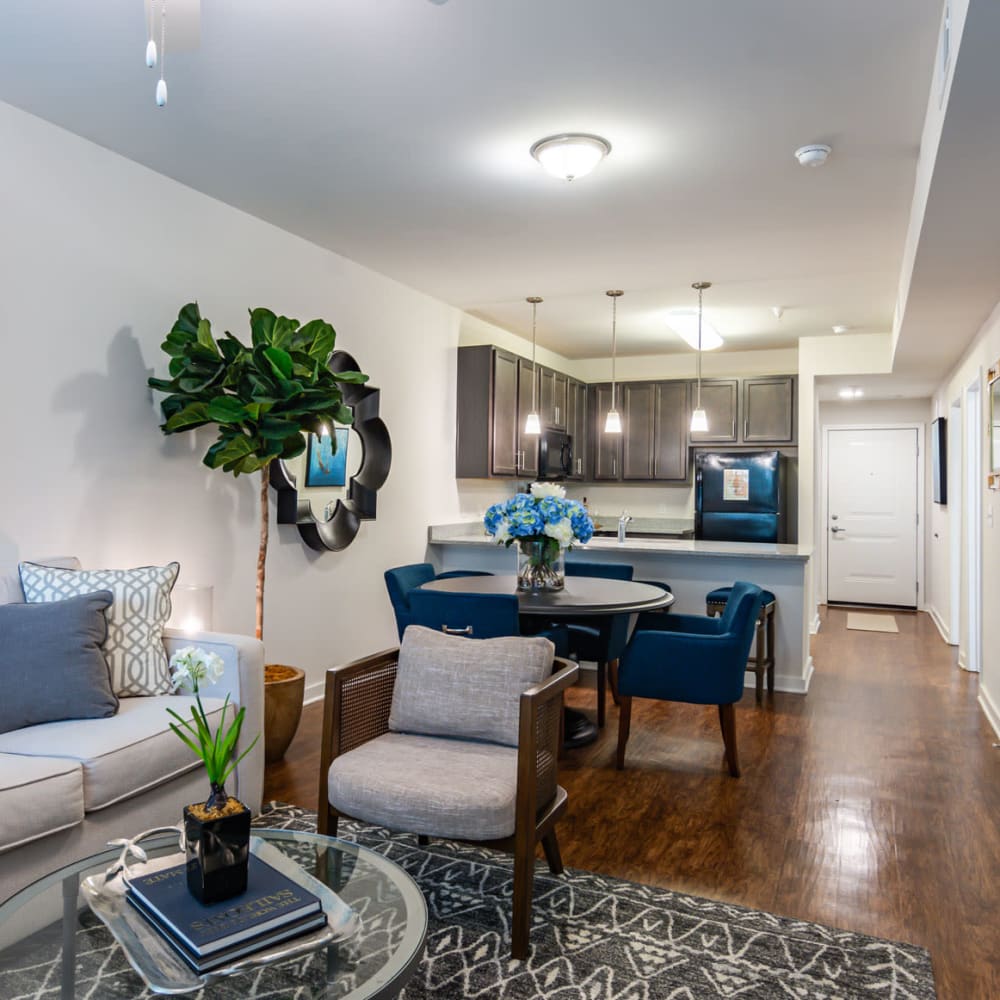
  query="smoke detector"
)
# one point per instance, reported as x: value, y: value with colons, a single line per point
x: 778, y: 311
x: 813, y: 155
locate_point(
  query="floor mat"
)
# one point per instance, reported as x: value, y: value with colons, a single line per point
x: 860, y: 622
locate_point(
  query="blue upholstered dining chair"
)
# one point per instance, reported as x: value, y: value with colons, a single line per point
x: 404, y: 579
x: 478, y: 616
x: 692, y: 659
x: 600, y: 639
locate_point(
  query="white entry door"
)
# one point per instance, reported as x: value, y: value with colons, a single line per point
x: 872, y: 516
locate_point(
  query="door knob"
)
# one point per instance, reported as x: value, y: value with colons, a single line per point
x: 835, y: 529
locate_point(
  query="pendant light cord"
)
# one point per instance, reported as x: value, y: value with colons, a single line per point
x: 534, y: 300
x: 163, y: 37
x: 700, y: 292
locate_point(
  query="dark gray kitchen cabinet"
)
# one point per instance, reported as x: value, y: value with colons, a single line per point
x: 606, y: 449
x: 637, y: 406
x: 671, y: 420
x: 769, y: 409
x: 504, y: 415
x: 552, y: 393
x: 527, y: 444
x: 576, y: 426
x: 720, y: 400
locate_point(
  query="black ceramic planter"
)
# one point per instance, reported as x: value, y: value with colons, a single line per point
x: 218, y: 851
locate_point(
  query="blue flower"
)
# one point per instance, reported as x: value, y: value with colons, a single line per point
x: 552, y: 509
x: 494, y: 517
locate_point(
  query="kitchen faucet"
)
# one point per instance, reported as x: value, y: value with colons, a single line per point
x: 622, y: 522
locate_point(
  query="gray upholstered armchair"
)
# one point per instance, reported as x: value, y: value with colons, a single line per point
x: 451, y: 737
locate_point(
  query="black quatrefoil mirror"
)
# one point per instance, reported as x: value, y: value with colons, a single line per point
x: 327, y: 492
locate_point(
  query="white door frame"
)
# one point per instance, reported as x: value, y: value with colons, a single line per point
x: 921, y: 429
x: 956, y: 517
x: 970, y: 657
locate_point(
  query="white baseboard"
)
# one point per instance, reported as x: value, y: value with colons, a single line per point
x: 814, y: 625
x: 990, y: 710
x: 936, y: 618
x: 314, y: 692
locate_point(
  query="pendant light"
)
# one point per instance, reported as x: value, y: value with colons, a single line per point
x: 699, y: 418
x: 613, y: 422
x: 533, y: 425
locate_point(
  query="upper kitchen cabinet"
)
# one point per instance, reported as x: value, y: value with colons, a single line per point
x: 720, y: 401
x: 637, y: 429
x: 769, y: 410
x: 576, y: 426
x: 494, y: 397
x: 552, y: 399
x: 606, y: 449
x: 671, y: 419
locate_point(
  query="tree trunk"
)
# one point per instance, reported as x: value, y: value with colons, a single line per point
x: 265, y: 522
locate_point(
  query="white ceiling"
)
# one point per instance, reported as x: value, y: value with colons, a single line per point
x: 396, y: 132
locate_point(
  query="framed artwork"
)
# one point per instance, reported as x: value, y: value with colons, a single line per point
x: 326, y: 462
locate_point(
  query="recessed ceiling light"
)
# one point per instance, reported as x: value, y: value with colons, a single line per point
x: 851, y: 392
x: 684, y: 322
x: 813, y: 155
x: 778, y: 311
x: 839, y: 328
x: 571, y: 154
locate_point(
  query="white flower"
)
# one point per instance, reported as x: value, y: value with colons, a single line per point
x: 193, y: 666
x: 561, y: 531
x: 539, y: 490
x: 502, y: 535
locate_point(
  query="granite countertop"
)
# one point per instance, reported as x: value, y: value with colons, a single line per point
x: 472, y: 533
x: 676, y: 527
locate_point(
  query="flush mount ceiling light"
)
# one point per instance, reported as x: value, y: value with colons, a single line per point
x: 813, y: 155
x: 699, y: 418
x: 684, y: 322
x: 839, y: 328
x: 571, y: 154
x: 533, y: 425
x: 613, y: 421
x: 851, y: 392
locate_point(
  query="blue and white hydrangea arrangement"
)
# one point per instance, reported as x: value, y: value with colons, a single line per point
x: 543, y: 513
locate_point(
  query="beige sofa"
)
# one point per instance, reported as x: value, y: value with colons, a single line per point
x: 66, y: 788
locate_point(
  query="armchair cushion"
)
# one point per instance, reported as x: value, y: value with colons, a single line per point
x: 465, y: 688
x: 427, y: 785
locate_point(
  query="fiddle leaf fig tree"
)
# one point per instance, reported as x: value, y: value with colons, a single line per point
x: 262, y: 399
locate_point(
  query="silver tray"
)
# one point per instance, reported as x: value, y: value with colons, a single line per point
x: 160, y: 967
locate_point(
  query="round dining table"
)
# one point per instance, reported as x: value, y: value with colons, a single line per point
x: 583, y: 596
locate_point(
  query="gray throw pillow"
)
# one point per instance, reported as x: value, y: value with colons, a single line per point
x: 134, y: 646
x: 51, y: 664
x: 448, y: 685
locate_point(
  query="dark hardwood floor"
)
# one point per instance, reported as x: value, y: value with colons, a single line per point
x: 872, y: 804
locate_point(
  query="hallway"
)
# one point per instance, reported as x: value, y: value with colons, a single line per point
x: 872, y: 804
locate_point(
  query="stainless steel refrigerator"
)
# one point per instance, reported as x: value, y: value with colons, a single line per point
x: 741, y: 497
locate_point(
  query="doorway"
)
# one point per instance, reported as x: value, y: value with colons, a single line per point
x: 873, y: 491
x: 972, y: 522
x: 956, y: 499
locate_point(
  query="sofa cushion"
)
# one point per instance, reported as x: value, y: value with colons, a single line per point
x: 134, y: 647
x: 121, y: 756
x: 38, y: 796
x: 448, y: 685
x: 423, y: 784
x: 10, y: 583
x: 51, y: 664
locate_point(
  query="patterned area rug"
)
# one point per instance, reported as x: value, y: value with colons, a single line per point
x: 598, y: 938
x: 593, y: 938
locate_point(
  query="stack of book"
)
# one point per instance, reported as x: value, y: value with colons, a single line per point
x: 273, y: 909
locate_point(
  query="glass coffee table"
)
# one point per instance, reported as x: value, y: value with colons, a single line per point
x: 49, y: 920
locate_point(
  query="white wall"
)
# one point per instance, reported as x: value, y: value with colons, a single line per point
x: 97, y: 256
x: 982, y: 355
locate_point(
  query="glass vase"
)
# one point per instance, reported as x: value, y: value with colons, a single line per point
x: 541, y: 565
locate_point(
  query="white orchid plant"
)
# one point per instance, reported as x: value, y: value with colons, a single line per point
x: 191, y: 668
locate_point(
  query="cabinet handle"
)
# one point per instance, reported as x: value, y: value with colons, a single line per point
x: 614, y: 467
x: 746, y: 425
x: 557, y: 414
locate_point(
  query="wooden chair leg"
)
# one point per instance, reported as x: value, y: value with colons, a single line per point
x: 727, y: 719
x: 551, y: 847
x: 326, y: 822
x: 759, y: 660
x: 602, y: 691
x: 624, y: 725
x: 770, y: 651
x: 613, y: 681
x: 423, y: 840
x: 520, y: 926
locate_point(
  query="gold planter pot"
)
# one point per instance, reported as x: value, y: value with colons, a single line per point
x: 284, y: 690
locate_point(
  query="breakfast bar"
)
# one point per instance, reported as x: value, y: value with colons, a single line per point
x: 691, y: 568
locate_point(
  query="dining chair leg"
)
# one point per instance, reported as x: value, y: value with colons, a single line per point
x: 423, y: 840
x: 624, y: 725
x: 613, y: 681
x: 727, y: 719
x: 551, y: 847
x: 770, y: 651
x: 602, y: 691
x: 759, y: 661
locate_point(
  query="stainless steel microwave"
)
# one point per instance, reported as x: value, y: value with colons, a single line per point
x: 555, y: 455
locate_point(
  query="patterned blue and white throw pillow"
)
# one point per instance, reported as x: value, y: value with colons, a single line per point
x: 134, y: 646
